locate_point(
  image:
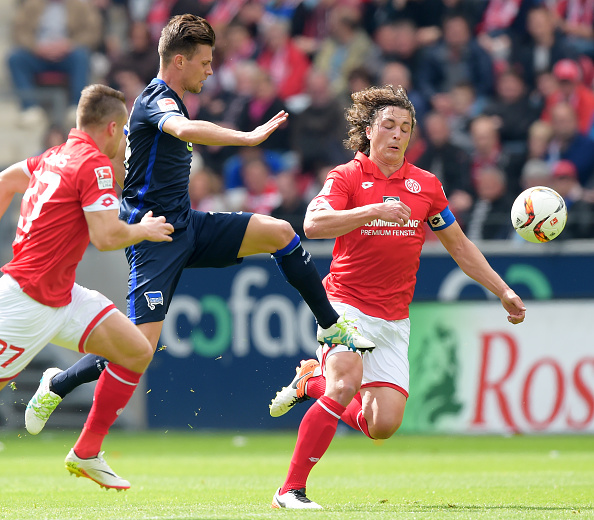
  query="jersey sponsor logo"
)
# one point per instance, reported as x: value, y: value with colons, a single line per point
x: 153, y: 298
x: 327, y: 187
x: 412, y: 223
x: 388, y: 198
x: 104, y: 177
x: 366, y: 185
x: 167, y: 104
x: 412, y: 186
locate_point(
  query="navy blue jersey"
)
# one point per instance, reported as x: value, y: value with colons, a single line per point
x: 157, y: 164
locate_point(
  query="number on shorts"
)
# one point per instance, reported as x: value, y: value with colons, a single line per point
x: 3, y: 347
x: 35, y: 197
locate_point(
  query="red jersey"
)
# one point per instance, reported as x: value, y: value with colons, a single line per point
x: 374, y: 267
x: 52, y: 233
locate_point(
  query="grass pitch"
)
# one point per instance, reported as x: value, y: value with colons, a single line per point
x: 225, y: 476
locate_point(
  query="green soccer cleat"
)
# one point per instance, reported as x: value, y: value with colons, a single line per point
x: 42, y: 404
x: 344, y: 332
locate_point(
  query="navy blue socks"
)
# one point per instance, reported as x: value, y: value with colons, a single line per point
x: 85, y: 370
x: 300, y: 271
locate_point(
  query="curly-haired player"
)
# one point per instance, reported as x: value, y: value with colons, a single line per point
x: 376, y: 207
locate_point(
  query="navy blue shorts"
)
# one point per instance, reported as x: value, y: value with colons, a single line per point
x: 210, y: 240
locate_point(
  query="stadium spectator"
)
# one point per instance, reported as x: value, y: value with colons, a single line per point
x: 488, y: 151
x: 571, y: 90
x: 448, y: 162
x: 568, y: 143
x: 369, y: 390
x: 140, y: 60
x: 345, y: 48
x: 309, y: 24
x: 396, y: 73
x: 397, y: 41
x: 488, y: 219
x: 318, y: 131
x: 262, y: 105
x: 535, y: 172
x: 40, y: 301
x: 512, y: 109
x: 539, y: 137
x: 238, y: 46
x: 286, y: 64
x: 206, y: 191
x: 540, y: 48
x: 580, y: 210
x: 462, y: 106
x: 52, y: 36
x: 576, y: 19
x: 259, y: 193
x: 457, y: 58
x: 292, y: 206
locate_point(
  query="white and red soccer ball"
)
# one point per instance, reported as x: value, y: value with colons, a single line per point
x: 539, y: 214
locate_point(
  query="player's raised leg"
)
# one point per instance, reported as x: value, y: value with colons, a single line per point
x: 130, y: 353
x: 265, y: 234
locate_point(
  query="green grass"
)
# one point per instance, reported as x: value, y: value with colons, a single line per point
x: 222, y: 476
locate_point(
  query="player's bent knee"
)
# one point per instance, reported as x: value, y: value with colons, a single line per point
x: 384, y: 430
x: 283, y: 231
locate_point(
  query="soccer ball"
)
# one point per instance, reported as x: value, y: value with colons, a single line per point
x: 539, y: 214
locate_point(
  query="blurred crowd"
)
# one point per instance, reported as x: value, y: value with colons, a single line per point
x: 502, y: 89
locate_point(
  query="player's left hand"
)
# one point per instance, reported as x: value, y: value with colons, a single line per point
x: 262, y: 132
x: 513, y: 304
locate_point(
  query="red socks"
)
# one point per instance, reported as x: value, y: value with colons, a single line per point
x: 353, y: 415
x: 316, y: 432
x: 113, y: 391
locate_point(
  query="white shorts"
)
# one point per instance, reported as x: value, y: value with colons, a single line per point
x: 387, y: 364
x: 26, y: 326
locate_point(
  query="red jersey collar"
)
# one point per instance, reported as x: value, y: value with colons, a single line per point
x: 370, y: 167
x: 82, y: 136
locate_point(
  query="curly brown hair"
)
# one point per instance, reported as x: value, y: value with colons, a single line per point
x: 366, y: 105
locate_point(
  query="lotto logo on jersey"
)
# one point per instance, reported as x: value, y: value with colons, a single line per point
x: 104, y: 177
x: 167, y: 104
x: 153, y: 298
x: 388, y: 198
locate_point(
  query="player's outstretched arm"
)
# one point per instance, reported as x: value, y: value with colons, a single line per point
x: 12, y: 180
x: 108, y: 232
x: 210, y: 134
x: 475, y: 265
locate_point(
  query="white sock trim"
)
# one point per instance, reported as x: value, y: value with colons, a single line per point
x: 358, y: 423
x: 115, y: 376
x: 328, y: 410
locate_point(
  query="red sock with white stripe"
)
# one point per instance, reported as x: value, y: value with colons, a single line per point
x: 112, y: 393
x: 353, y: 415
x: 316, y: 432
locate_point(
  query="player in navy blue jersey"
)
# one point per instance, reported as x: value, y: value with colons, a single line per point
x: 157, y: 159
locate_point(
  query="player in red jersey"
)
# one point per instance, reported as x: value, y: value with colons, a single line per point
x: 69, y: 200
x: 375, y: 206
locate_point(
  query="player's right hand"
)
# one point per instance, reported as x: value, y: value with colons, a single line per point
x: 262, y: 132
x: 157, y: 229
x: 394, y: 211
